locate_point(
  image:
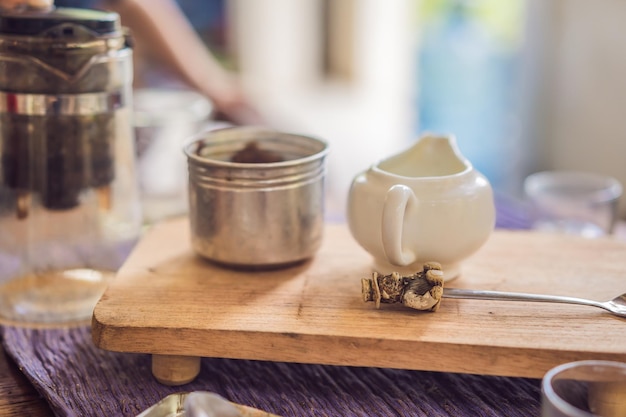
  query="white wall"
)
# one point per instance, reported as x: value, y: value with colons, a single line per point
x: 584, y: 89
x: 364, y: 120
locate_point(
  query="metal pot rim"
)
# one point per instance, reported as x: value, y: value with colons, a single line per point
x: 246, y: 134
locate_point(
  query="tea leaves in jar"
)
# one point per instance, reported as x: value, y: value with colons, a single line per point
x: 253, y: 154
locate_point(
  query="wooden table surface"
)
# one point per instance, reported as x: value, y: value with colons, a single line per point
x: 314, y: 312
x: 17, y: 396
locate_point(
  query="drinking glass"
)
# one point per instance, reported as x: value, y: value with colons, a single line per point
x: 590, y: 388
x: 573, y: 202
x: 164, y: 119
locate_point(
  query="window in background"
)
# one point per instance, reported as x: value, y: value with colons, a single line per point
x: 338, y: 43
x: 210, y: 20
x: 469, y: 65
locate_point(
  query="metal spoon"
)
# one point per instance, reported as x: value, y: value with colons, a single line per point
x: 616, y: 306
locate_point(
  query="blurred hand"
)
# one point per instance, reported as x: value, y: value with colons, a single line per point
x: 232, y: 105
x: 162, y: 28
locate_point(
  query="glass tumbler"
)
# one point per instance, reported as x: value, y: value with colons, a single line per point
x: 590, y: 388
x: 572, y: 202
x: 164, y: 118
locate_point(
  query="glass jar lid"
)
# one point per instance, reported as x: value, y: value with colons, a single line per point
x: 29, y: 23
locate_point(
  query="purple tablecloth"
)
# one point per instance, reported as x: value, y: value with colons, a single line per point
x: 78, y: 379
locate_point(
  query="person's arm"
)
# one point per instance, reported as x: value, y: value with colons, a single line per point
x: 32, y: 4
x: 161, y: 26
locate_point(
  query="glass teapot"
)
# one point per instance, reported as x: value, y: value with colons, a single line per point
x: 69, y: 205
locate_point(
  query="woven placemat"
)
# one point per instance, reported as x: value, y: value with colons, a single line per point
x: 79, y: 379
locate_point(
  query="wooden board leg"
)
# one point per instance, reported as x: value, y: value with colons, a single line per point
x: 175, y: 370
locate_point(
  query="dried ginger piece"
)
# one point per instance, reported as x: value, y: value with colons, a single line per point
x: 420, y: 291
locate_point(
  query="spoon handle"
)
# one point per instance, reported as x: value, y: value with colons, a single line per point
x: 514, y: 296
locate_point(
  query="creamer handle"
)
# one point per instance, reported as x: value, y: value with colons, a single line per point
x: 397, y: 201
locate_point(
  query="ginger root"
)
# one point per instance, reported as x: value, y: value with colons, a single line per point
x: 420, y: 291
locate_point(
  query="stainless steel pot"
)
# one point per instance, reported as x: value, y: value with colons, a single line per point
x: 256, y: 213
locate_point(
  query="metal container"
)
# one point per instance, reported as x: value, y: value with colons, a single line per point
x: 259, y: 213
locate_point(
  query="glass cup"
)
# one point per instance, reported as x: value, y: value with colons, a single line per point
x: 571, y: 202
x: 164, y: 119
x: 585, y: 389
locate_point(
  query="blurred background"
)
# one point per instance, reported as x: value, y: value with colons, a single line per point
x: 524, y: 85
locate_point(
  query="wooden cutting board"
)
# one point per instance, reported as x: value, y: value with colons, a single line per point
x: 171, y: 303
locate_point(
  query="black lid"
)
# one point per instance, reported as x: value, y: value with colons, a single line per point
x: 34, y: 22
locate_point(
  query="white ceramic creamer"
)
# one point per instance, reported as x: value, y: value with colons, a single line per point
x: 427, y: 203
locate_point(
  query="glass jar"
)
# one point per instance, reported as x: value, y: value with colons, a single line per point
x: 69, y: 206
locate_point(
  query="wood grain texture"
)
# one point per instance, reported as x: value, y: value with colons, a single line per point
x: 17, y: 396
x: 175, y: 370
x: 168, y: 301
